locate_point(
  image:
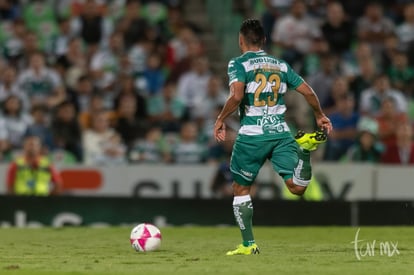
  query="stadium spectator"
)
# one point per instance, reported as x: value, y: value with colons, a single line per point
x: 182, y: 51
x: 294, y: 33
x: 192, y: 85
x: 16, y: 121
x: 388, y: 52
x: 154, y: 74
x: 128, y: 125
x: 206, y: 108
x: 126, y: 87
x: 401, y: 74
x: 405, y: 31
x: 32, y: 174
x: 188, y: 149
x: 311, y: 63
x: 41, y: 83
x: 31, y: 46
x: 166, y: 109
x: 58, y: 44
x: 388, y: 120
x: 104, y: 67
x: 102, y: 145
x: 373, y: 27
x: 13, y: 42
x: 9, y: 10
x: 132, y: 24
x: 366, y: 148
x: 273, y: 10
x: 372, y: 97
x: 8, y: 87
x: 40, y: 126
x: 344, y: 121
x: 91, y: 25
x: 337, y: 29
x: 82, y: 94
x: 364, y: 78
x: 40, y: 18
x: 339, y: 89
x: 402, y: 150
x: 153, y: 148
x: 4, y: 141
x: 66, y: 130
x: 323, y: 79
x: 73, y: 63
x: 96, y: 105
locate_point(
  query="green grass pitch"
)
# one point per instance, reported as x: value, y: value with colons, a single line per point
x: 201, y: 250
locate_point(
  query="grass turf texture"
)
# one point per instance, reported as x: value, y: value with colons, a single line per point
x: 201, y: 250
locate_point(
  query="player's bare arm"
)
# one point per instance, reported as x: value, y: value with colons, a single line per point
x: 321, y: 119
x: 231, y: 105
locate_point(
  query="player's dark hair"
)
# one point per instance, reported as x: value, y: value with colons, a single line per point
x: 252, y: 31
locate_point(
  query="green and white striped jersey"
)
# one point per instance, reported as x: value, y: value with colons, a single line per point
x: 266, y: 80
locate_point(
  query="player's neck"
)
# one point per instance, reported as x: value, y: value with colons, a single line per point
x: 251, y: 49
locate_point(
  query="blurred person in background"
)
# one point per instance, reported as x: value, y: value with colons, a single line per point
x: 13, y: 42
x: 337, y: 29
x: 182, y: 51
x: 4, y: 143
x: 82, y: 94
x: 102, y: 145
x: 66, y: 130
x: 91, y: 25
x: 388, y: 120
x: 401, y: 73
x: 152, y: 148
x: 188, y: 149
x: 96, y: 104
x: 166, y: 109
x: 40, y: 126
x: 132, y: 25
x: 364, y: 77
x: 205, y: 108
x: 126, y: 87
x: 402, y: 150
x: 32, y: 173
x: 41, y: 83
x: 344, y: 121
x: 128, y: 125
x: 371, y: 98
x: 367, y: 148
x: 373, y: 27
x: 9, y: 86
x: 16, y: 121
x: 154, y: 74
x: 9, y: 10
x: 192, y: 85
x: 322, y: 80
x: 405, y: 30
x: 104, y: 67
x: 294, y: 33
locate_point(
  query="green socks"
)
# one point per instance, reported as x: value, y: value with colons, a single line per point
x: 303, y: 171
x: 243, y: 213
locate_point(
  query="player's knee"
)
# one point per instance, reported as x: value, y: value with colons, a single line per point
x: 295, y: 189
x: 298, y: 190
x: 240, y: 190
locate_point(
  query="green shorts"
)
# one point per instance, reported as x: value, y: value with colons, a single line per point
x: 249, y: 155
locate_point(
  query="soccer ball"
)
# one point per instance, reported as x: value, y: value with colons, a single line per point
x: 145, y: 237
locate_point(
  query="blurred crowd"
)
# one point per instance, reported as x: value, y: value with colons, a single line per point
x: 106, y: 82
x: 359, y: 58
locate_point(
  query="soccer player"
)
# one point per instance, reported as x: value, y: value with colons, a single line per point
x: 258, y: 82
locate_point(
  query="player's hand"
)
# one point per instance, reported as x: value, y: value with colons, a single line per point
x: 324, y: 123
x: 219, y: 131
